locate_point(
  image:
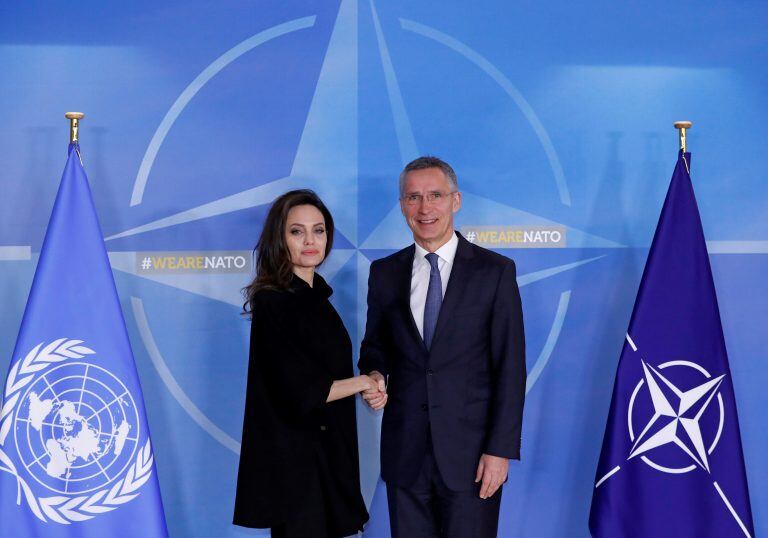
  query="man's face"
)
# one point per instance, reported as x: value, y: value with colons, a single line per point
x: 430, y: 221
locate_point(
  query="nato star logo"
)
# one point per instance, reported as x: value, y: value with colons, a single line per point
x: 327, y: 160
x: 676, y: 416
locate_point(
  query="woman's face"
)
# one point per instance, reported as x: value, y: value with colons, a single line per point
x: 305, y: 235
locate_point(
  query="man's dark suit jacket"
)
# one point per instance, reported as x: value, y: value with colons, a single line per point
x: 467, y: 391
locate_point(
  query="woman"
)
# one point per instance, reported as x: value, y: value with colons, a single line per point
x: 299, y: 464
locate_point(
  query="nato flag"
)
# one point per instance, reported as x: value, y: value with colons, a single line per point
x: 75, y: 453
x: 671, y: 463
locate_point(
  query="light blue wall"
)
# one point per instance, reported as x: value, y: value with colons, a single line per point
x: 555, y: 114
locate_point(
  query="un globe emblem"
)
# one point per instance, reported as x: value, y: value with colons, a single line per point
x: 77, y: 428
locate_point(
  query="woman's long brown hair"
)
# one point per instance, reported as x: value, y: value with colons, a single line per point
x: 274, y: 269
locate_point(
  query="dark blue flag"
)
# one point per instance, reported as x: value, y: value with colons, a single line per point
x: 671, y: 463
x: 75, y: 452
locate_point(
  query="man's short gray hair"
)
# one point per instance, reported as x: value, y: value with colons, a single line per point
x: 429, y: 161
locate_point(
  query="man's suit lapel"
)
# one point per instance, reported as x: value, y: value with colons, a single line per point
x: 460, y: 273
x: 404, y: 273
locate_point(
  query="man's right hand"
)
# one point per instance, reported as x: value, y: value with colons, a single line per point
x: 376, y: 398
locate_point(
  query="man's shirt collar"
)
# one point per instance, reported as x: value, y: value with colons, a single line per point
x: 446, y: 253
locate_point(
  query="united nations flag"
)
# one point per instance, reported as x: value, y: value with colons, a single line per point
x: 671, y: 463
x: 75, y: 453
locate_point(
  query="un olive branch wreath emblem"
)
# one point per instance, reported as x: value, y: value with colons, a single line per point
x: 63, y: 509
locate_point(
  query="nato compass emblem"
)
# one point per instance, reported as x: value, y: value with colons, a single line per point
x: 70, y: 435
x: 676, y: 417
x: 327, y: 161
x: 675, y: 420
x: 330, y: 159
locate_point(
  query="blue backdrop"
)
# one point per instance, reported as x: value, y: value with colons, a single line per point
x: 557, y: 117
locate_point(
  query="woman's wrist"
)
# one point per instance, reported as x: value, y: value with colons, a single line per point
x: 362, y: 382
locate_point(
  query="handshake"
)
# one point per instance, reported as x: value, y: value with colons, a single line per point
x: 375, y: 391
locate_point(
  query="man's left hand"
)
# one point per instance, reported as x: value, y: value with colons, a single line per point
x: 492, y: 471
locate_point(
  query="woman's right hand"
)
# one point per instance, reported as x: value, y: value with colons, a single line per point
x: 374, y: 392
x: 368, y: 384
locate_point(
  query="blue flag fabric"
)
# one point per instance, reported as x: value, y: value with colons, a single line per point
x: 75, y: 452
x: 671, y: 462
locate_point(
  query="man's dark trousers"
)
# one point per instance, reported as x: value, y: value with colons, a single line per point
x: 429, y: 509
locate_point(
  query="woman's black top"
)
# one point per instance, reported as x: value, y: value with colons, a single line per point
x: 299, y: 453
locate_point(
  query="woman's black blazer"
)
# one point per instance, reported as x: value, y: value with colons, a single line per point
x: 299, y: 453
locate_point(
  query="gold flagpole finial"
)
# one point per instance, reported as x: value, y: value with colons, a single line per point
x: 74, y: 125
x: 681, y: 126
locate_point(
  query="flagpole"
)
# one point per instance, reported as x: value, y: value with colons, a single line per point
x: 681, y: 126
x: 74, y: 125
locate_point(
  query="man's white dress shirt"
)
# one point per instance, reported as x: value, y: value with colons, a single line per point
x: 420, y: 276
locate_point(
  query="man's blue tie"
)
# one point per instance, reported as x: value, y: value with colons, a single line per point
x: 434, y: 299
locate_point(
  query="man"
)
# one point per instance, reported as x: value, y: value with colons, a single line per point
x: 444, y: 339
